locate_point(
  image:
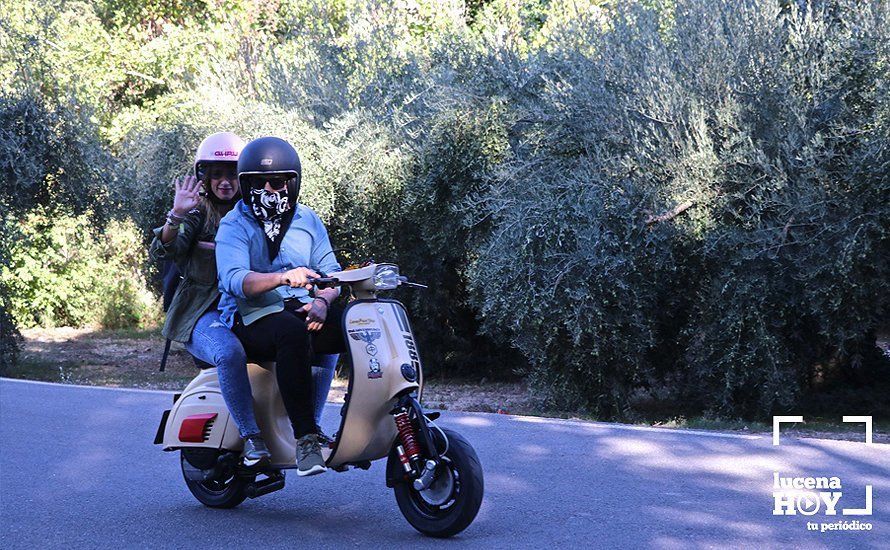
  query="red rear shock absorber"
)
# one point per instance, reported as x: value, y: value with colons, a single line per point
x: 406, y: 434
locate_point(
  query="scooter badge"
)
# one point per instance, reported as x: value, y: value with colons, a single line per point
x: 374, y: 369
x: 366, y: 335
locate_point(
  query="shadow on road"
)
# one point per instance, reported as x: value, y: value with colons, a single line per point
x: 90, y: 476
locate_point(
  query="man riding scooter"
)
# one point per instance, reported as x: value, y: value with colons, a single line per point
x: 185, y: 244
x: 270, y: 250
x: 267, y: 248
x: 186, y: 239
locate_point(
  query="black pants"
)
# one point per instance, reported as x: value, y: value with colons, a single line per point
x: 283, y: 338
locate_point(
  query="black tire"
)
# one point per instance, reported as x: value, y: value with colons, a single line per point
x: 226, y: 493
x: 466, y: 496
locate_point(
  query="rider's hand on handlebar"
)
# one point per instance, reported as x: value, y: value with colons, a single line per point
x: 298, y: 277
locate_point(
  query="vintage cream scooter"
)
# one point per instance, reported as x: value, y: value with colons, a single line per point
x: 434, y: 472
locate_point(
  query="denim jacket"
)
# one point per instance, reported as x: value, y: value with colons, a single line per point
x: 241, y: 247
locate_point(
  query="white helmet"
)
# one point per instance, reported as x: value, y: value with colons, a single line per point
x: 220, y: 147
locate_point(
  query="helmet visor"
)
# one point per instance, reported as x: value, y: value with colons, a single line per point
x: 223, y: 170
x: 276, y: 182
x: 217, y: 170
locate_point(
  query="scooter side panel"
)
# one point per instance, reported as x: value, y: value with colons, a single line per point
x: 378, y: 337
x: 201, y: 396
x: 271, y: 415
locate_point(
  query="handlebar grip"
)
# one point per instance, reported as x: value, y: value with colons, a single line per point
x: 325, y: 282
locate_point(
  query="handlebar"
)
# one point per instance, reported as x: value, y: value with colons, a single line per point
x: 404, y: 280
x: 356, y: 276
x: 324, y: 282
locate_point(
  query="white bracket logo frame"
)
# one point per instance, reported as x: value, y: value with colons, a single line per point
x: 779, y: 420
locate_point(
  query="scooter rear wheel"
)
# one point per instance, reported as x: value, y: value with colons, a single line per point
x: 227, y: 492
x: 451, y: 503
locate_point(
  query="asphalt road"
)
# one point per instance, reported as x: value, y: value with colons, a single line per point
x: 78, y: 470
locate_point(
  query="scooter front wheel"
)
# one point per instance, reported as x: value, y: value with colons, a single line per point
x: 226, y: 491
x: 452, y: 501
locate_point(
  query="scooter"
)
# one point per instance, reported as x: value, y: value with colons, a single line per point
x: 433, y: 471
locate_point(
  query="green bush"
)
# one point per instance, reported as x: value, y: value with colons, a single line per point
x: 62, y: 272
x: 10, y: 338
x: 705, y: 186
x: 51, y: 155
x: 674, y: 202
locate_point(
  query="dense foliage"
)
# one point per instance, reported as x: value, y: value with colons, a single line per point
x: 762, y: 137
x: 63, y: 273
x: 631, y: 203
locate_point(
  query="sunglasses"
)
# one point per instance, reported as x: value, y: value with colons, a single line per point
x: 276, y: 182
x: 218, y: 171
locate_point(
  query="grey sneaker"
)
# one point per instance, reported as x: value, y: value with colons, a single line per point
x: 323, y: 439
x: 309, y: 459
x: 255, y: 452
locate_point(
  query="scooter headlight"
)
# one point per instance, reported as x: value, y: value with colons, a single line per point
x: 386, y: 277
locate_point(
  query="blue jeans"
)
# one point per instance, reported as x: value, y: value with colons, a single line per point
x: 323, y: 366
x: 214, y: 343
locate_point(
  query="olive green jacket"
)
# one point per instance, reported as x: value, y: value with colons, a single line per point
x: 198, y: 289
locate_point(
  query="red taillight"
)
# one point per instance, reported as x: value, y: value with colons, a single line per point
x: 196, y: 428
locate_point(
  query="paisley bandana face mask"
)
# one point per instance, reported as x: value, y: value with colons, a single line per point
x: 268, y: 207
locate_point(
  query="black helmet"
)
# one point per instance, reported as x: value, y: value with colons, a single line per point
x: 270, y: 158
